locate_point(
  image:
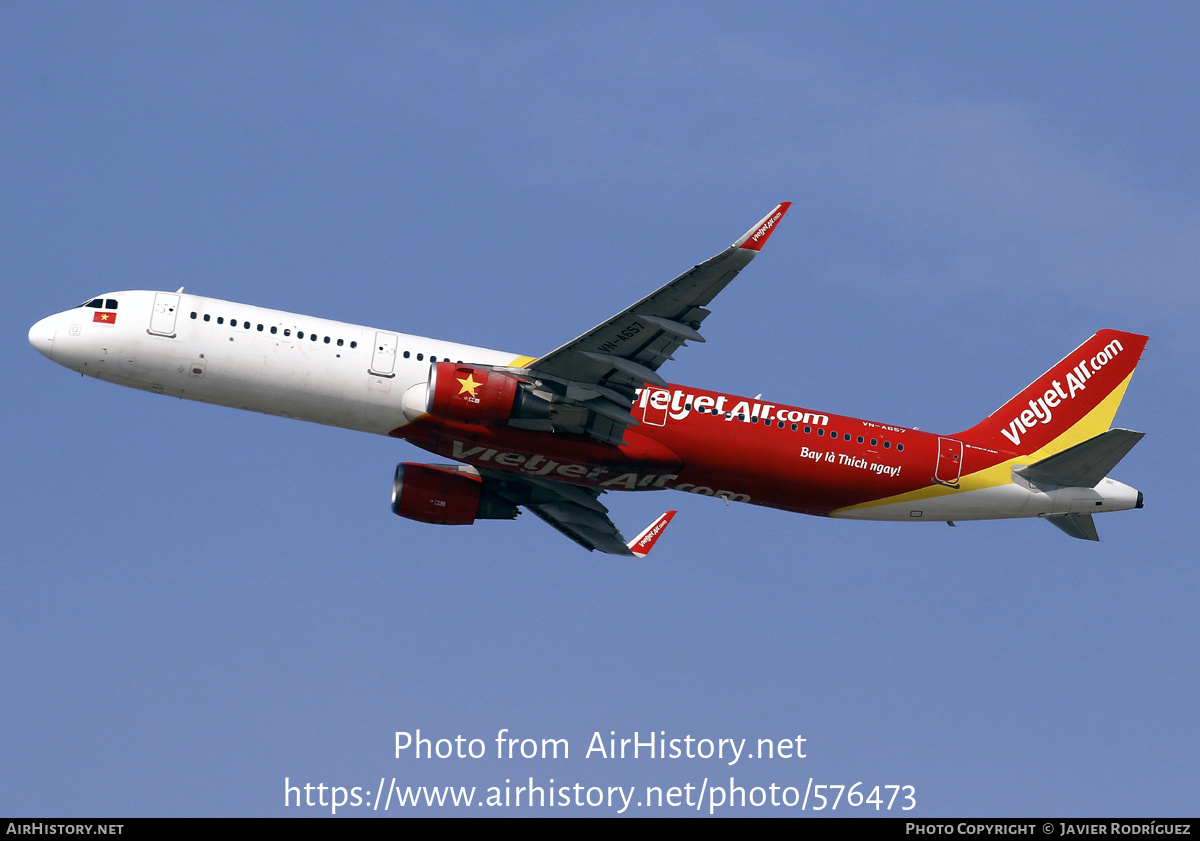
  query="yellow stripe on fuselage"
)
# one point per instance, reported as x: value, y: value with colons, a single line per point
x: 1095, y: 422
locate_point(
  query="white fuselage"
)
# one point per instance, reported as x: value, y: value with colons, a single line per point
x: 248, y: 357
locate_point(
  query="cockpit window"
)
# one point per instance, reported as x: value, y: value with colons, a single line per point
x: 110, y: 303
x: 95, y: 302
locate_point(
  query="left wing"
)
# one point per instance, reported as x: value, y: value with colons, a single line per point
x: 590, y: 381
x: 574, y: 511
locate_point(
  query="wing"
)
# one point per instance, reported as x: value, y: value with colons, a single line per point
x: 590, y: 381
x: 574, y: 511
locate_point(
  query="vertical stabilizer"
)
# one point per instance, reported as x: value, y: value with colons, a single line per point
x: 1072, y: 402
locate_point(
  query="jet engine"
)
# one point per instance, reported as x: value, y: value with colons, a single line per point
x: 475, y: 394
x: 446, y: 496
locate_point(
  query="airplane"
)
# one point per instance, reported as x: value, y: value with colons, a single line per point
x: 551, y: 434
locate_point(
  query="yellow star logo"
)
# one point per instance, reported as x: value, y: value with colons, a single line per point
x: 104, y: 316
x: 468, y: 386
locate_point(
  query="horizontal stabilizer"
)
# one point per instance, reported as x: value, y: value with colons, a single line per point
x: 1075, y: 525
x: 617, y: 357
x: 1085, y: 464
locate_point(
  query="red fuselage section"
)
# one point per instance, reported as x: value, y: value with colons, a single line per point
x: 721, y: 445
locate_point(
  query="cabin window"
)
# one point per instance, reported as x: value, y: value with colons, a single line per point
x: 354, y: 344
x: 900, y: 447
x: 220, y: 319
x: 260, y: 328
x: 312, y: 336
x: 887, y: 445
x: 207, y: 317
x: 874, y: 442
x: 299, y: 334
x: 860, y: 439
x: 821, y: 432
x: 339, y: 342
x: 274, y: 329
x: 420, y: 356
x: 193, y: 316
x: 287, y: 332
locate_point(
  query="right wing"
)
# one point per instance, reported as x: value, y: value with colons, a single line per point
x: 590, y: 381
x: 574, y: 511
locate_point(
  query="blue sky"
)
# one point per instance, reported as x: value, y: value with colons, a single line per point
x: 202, y: 602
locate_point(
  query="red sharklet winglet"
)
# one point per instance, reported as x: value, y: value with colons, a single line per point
x: 755, y: 238
x: 644, y: 542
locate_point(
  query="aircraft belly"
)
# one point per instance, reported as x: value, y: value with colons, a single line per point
x: 642, y: 464
x: 999, y: 502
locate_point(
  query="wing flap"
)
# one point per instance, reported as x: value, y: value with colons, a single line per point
x: 598, y: 535
x: 573, y: 511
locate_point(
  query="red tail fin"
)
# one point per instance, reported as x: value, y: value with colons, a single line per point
x: 1072, y: 402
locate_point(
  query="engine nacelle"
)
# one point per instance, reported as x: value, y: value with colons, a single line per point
x: 445, y: 496
x: 473, y: 394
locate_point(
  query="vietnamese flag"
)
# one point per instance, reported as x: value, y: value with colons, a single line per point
x: 105, y: 317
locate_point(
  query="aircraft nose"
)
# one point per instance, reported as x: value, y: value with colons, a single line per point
x: 41, y: 336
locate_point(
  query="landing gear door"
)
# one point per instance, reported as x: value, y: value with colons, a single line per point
x: 162, y: 319
x: 949, y: 463
x: 383, y: 355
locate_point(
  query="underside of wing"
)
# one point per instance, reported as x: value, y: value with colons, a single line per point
x: 591, y: 380
x: 574, y: 511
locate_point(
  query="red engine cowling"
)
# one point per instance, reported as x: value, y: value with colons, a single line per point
x: 470, y: 394
x: 445, y: 496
